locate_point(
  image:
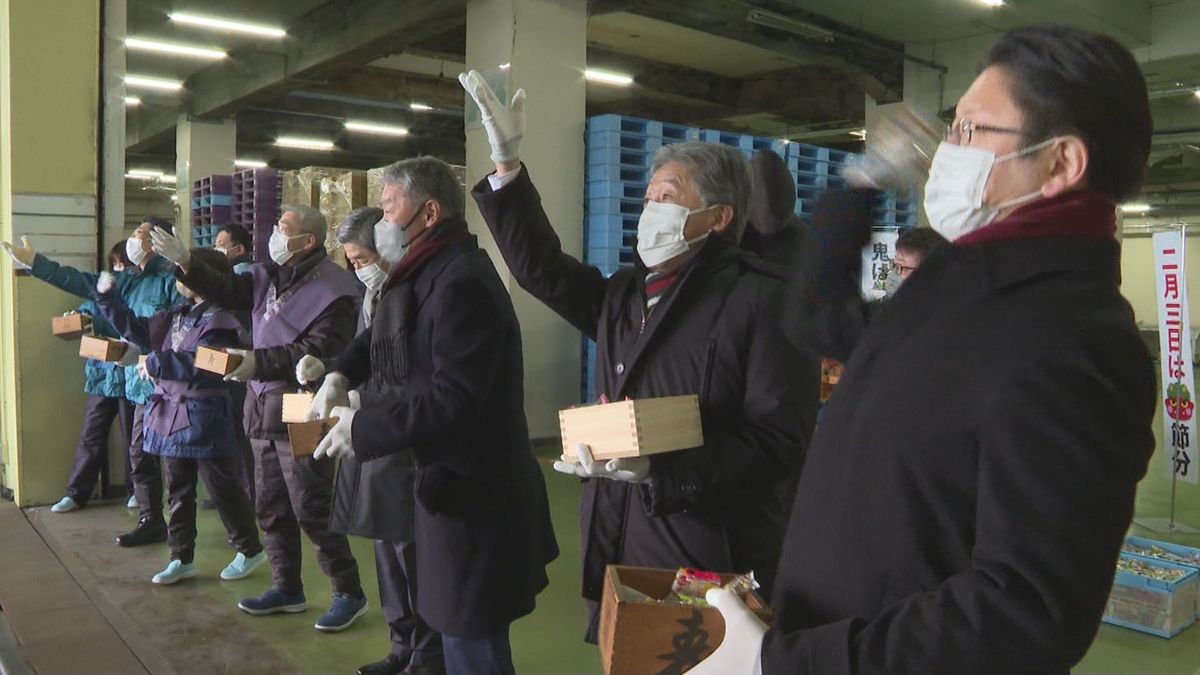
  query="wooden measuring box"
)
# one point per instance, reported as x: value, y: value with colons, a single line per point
x: 633, y: 428
x: 216, y: 360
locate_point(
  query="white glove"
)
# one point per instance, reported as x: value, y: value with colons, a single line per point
x: 169, y: 246
x: 505, y: 125
x: 246, y: 369
x: 105, y: 283
x: 629, y: 469
x: 332, y: 394
x: 130, y: 357
x: 336, y: 443
x: 741, y: 650
x: 141, y: 372
x: 22, y: 255
x: 309, y: 369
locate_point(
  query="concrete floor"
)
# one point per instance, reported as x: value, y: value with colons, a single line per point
x: 194, y: 627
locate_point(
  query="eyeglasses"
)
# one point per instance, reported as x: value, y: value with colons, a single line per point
x: 960, y: 131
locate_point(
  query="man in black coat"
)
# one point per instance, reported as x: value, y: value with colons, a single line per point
x: 696, y: 315
x: 977, y: 465
x: 444, y: 379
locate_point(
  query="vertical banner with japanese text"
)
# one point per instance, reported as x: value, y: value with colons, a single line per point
x: 1175, y: 349
x: 877, y: 263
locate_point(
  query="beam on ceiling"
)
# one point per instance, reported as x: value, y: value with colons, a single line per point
x: 331, y: 37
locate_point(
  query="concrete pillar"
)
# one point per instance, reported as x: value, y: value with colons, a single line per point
x: 202, y: 148
x: 542, y: 45
x: 48, y: 169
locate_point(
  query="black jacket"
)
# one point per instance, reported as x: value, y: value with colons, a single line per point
x: 974, y: 471
x: 451, y: 341
x: 715, y: 334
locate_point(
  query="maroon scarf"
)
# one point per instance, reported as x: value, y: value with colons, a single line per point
x: 1084, y: 213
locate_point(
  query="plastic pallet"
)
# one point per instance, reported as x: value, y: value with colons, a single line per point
x: 619, y: 189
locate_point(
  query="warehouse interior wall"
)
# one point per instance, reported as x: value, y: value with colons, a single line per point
x: 48, y: 148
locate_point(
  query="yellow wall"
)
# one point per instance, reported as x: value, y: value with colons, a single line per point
x: 49, y: 88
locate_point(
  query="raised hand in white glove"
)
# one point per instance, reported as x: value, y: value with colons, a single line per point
x: 246, y: 369
x: 332, y: 394
x: 336, y: 443
x: 309, y: 369
x: 105, y: 283
x: 22, y: 255
x: 170, y: 247
x: 741, y: 650
x: 130, y: 357
x: 505, y: 125
x: 629, y: 469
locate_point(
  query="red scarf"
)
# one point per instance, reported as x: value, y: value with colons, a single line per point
x: 1084, y: 213
x: 422, y: 252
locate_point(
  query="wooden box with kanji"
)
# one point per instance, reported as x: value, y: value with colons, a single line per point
x: 216, y: 360
x: 101, y: 348
x: 70, y: 326
x: 640, y: 636
x: 635, y: 428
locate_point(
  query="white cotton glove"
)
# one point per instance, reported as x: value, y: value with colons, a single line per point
x: 332, y: 394
x: 131, y: 355
x: 246, y: 369
x: 105, y: 283
x: 505, y: 125
x: 309, y: 369
x: 169, y: 246
x: 336, y: 444
x: 629, y: 469
x: 741, y: 650
x: 22, y: 255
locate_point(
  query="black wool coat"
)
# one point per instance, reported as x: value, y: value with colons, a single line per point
x: 451, y: 341
x: 975, y: 469
x: 716, y: 334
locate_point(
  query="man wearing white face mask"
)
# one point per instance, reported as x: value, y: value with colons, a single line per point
x: 695, y: 315
x: 146, y: 288
x: 300, y: 303
x: 977, y: 466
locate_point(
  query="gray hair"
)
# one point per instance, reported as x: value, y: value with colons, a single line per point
x: 358, y: 227
x: 424, y: 178
x: 311, y: 220
x: 721, y: 175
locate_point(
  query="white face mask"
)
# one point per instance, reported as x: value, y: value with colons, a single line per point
x: 372, y: 276
x: 660, y: 232
x: 957, y: 180
x: 278, y: 247
x: 133, y: 251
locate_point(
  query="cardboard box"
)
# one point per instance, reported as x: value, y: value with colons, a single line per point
x: 305, y: 436
x: 296, y: 407
x: 70, y: 326
x: 101, y: 349
x: 638, y: 637
x: 216, y: 361
x: 633, y: 428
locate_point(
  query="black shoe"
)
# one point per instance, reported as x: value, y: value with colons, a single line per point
x: 150, y: 530
x: 392, y: 665
x: 207, y: 505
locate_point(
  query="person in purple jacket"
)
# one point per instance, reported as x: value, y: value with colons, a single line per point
x: 189, y: 421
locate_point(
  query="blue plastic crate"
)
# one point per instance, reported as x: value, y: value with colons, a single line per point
x: 1157, y: 607
x: 619, y: 189
x: 616, y: 139
x: 615, y: 206
x: 637, y: 173
x: 609, y: 155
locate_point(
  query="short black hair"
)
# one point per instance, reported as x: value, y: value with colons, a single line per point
x: 920, y: 240
x: 1071, y: 81
x: 161, y: 223
x: 240, y: 236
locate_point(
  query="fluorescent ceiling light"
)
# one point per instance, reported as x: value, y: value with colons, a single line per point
x: 153, y: 83
x: 249, y: 163
x: 1135, y: 208
x: 992, y: 3
x: 132, y: 100
x: 370, y: 128
x: 304, y: 143
x: 173, y: 48
x: 224, y: 24
x: 787, y: 24
x: 420, y: 107
x: 606, y: 77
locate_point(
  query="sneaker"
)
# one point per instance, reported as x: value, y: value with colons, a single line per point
x: 274, y: 601
x: 345, y: 610
x: 150, y: 530
x: 65, y: 505
x: 131, y: 503
x: 241, y: 567
x: 175, y: 571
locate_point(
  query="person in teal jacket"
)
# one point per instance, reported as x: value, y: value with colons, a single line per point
x: 147, y: 287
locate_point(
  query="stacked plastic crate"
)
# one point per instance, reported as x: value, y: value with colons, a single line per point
x: 256, y: 201
x: 212, y: 208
